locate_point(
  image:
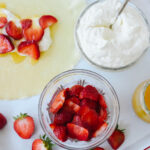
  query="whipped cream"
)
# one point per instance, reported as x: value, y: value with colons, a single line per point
x: 46, y: 40
x: 116, y: 47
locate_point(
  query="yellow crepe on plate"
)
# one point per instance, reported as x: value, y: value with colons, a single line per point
x: 28, y: 78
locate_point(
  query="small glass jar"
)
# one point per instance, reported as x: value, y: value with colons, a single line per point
x: 68, y: 79
x: 141, y: 101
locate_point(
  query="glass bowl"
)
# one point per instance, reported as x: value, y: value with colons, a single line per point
x: 68, y: 79
x: 78, y: 43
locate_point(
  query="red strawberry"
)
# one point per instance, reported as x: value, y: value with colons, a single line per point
x: 14, y: 31
x: 52, y: 126
x: 103, y: 114
x: 83, y: 110
x: 89, y: 92
x: 71, y: 106
x: 67, y: 93
x: 102, y: 101
x: 44, y: 143
x: 90, y: 103
x: 75, y: 90
x: 75, y: 100
x: 58, y: 102
x: 61, y: 133
x: 116, y: 139
x: 77, y: 120
x: 3, y: 121
x: 90, y: 120
x: 148, y: 148
x: 5, y: 44
x: 3, y: 21
x: 24, y: 126
x: 62, y: 118
x: 100, y: 130
x: 77, y: 132
x: 29, y: 48
x: 26, y: 23
x: 33, y: 34
x: 47, y: 20
x: 98, y: 148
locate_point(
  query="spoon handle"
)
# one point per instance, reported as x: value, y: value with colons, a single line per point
x: 124, y: 5
x: 122, y: 8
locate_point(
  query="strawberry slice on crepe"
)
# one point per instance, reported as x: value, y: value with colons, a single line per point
x: 32, y: 30
x: 26, y: 23
x: 29, y: 48
x: 3, y: 21
x: 14, y: 31
x: 5, y: 44
x: 46, y: 21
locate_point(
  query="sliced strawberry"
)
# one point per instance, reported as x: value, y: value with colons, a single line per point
x: 58, y: 102
x: 26, y: 23
x: 103, y: 114
x: 75, y: 90
x: 102, y: 101
x: 83, y: 110
x: 72, y: 106
x: 77, y: 120
x: 77, y: 132
x: 75, y: 100
x: 100, y: 130
x: 33, y: 34
x: 90, y: 103
x: 116, y: 139
x: 3, y: 21
x: 24, y: 126
x: 89, y: 92
x: 47, y: 20
x: 29, y: 48
x: 67, y: 94
x: 14, y: 31
x: 61, y: 133
x: 90, y: 120
x: 3, y: 121
x: 5, y: 44
x: 98, y: 148
x: 52, y: 126
x: 44, y: 143
x: 62, y: 118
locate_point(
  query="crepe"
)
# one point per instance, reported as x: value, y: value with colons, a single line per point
x: 26, y: 79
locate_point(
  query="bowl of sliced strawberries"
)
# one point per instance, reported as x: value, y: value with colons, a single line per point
x: 78, y: 109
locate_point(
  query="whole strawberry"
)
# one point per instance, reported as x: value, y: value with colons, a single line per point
x: 117, y: 138
x: 24, y: 126
x: 3, y: 121
x: 44, y: 143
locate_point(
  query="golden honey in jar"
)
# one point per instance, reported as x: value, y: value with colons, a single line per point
x: 141, y: 101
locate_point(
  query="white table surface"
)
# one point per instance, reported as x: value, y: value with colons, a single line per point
x: 124, y: 81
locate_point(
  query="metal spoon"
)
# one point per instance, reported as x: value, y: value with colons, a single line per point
x: 121, y: 10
